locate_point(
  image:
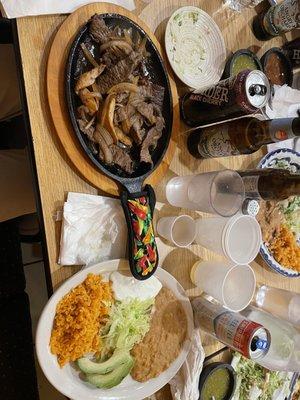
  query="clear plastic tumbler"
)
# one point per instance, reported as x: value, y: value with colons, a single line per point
x: 237, y: 238
x: 180, y: 230
x: 231, y: 284
x: 217, y: 192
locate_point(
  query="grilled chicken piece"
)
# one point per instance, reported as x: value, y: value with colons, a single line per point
x: 88, y: 78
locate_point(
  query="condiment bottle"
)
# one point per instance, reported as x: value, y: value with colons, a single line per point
x: 250, y: 207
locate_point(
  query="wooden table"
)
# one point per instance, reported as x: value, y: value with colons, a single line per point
x: 55, y: 175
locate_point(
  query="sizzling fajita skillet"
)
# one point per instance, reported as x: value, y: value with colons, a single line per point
x: 138, y: 202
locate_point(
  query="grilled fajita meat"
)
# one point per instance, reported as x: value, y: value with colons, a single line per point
x: 122, y: 158
x: 119, y: 72
x: 88, y: 130
x: 153, y: 92
x: 150, y: 141
x: 99, y: 32
x: 120, y: 108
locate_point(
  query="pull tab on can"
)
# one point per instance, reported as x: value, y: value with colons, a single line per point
x: 257, y: 89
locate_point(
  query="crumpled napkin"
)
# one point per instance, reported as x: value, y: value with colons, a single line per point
x: 184, y: 385
x: 93, y: 230
x: 24, y: 8
x: 285, y: 104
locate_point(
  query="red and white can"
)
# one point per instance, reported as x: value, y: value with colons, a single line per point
x: 247, y: 337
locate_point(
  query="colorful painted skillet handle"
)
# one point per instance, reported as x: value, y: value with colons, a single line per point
x: 138, y: 209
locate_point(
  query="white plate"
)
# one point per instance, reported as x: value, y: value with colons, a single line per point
x: 193, y: 38
x: 66, y: 379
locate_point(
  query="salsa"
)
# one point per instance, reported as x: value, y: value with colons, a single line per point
x: 242, y: 62
x: 217, y: 384
x: 275, y: 69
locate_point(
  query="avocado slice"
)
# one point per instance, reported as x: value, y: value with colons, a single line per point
x: 113, y: 378
x: 90, y: 367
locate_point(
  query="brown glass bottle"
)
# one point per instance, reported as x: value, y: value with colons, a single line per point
x: 292, y: 50
x: 243, y: 136
x: 280, y: 18
x: 270, y: 184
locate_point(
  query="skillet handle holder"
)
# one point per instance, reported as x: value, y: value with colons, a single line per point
x: 143, y: 254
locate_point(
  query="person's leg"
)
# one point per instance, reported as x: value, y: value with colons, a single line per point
x: 17, y: 368
x: 6, y: 35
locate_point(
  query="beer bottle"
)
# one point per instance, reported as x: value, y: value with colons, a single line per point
x: 292, y: 51
x: 278, y: 19
x: 270, y: 184
x: 243, y: 136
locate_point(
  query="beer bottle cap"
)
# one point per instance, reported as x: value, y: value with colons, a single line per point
x: 250, y: 207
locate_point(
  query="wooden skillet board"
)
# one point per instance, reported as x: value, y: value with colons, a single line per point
x: 55, y: 80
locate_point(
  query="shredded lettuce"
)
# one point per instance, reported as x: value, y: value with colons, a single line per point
x: 129, y: 322
x: 291, y: 211
x: 284, y: 164
x: 255, y: 382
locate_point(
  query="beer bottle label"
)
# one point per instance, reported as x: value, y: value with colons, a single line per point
x: 251, y: 186
x: 283, y: 17
x: 296, y: 56
x: 215, y: 142
x: 281, y: 129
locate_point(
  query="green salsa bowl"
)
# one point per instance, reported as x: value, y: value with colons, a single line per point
x: 217, y: 380
x: 240, y: 60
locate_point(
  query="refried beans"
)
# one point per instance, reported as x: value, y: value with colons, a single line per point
x: 164, y: 340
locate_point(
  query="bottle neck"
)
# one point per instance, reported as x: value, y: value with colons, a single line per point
x: 284, y: 128
x: 261, y: 133
x: 278, y: 187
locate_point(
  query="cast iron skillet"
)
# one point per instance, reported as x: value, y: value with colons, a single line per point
x: 138, y: 202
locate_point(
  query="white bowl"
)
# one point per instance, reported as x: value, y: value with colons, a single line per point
x: 195, y: 47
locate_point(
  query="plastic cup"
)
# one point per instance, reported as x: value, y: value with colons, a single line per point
x: 237, y: 238
x: 231, y: 284
x: 218, y: 192
x: 180, y: 230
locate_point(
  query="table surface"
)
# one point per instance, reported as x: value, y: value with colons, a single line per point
x: 56, y: 176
